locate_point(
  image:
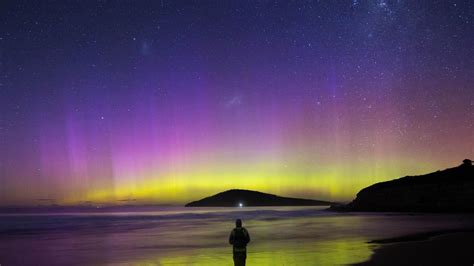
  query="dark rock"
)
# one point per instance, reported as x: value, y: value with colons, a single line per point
x: 450, y: 190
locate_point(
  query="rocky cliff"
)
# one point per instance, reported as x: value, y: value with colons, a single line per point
x: 450, y: 190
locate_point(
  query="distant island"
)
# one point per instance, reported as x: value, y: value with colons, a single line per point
x: 241, y: 197
x: 450, y: 190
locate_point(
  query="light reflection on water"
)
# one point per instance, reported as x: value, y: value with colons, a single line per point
x: 198, y: 236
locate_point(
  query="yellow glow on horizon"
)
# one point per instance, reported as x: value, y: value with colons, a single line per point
x: 325, y: 182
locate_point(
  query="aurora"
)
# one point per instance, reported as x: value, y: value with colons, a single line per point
x: 167, y: 102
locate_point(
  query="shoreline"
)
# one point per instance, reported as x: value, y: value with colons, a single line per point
x: 420, y: 236
x: 442, y: 247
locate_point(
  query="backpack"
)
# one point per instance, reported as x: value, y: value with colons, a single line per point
x: 240, y: 237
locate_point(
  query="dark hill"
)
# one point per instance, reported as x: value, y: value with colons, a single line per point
x: 450, y: 190
x: 232, y: 198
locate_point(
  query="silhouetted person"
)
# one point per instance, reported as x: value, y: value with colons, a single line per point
x: 239, y: 238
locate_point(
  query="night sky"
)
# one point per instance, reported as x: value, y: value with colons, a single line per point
x: 168, y: 101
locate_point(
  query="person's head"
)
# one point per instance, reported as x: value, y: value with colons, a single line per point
x: 238, y: 223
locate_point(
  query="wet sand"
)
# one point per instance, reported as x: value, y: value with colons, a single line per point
x: 454, y: 247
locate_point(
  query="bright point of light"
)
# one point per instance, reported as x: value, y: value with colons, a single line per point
x: 241, y: 205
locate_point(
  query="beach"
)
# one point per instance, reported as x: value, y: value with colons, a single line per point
x: 199, y: 236
x: 432, y: 248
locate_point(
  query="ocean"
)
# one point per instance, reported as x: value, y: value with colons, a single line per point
x: 199, y: 236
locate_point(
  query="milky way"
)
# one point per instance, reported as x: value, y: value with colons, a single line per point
x: 164, y: 102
